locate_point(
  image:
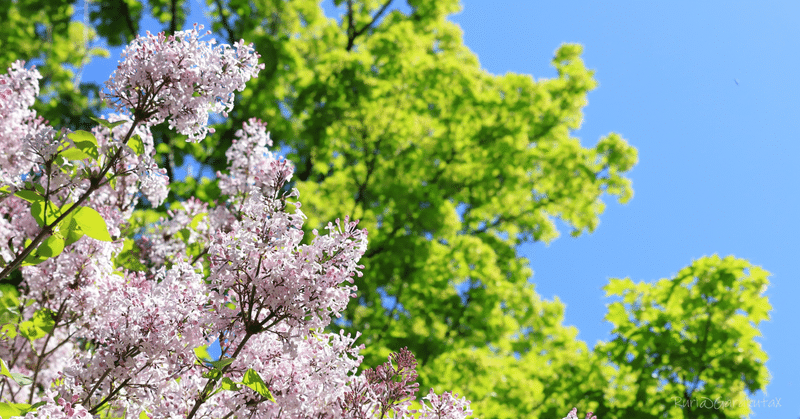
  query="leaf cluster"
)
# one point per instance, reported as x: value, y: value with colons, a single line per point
x: 688, y: 338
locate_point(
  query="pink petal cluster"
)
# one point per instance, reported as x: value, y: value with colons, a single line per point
x: 142, y: 174
x: 120, y: 322
x: 250, y: 163
x: 18, y: 91
x: 387, y: 391
x: 446, y: 406
x: 182, y: 78
x: 573, y: 414
x: 58, y: 408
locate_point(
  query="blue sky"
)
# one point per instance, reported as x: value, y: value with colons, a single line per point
x: 716, y: 172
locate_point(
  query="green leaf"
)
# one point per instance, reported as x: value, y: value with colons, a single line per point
x: 39, y: 326
x: 184, y: 233
x: 51, y: 247
x: 73, y: 154
x: 253, y: 380
x: 136, y: 144
x: 201, y: 352
x: 618, y: 286
x: 32, y: 260
x: 70, y: 230
x: 83, y: 137
x: 44, y: 212
x: 29, y: 196
x: 196, y: 220
x: 37, y: 405
x: 19, y: 378
x: 222, y: 363
x: 128, y: 257
x: 212, y: 374
x: 107, y: 124
x: 616, y: 314
x: 143, y: 415
x: 37, y: 212
x: 9, y: 331
x: 87, y: 144
x: 92, y: 223
x: 9, y: 410
x: 228, y: 384
x: 9, y: 304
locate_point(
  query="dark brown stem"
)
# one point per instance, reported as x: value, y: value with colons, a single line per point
x: 173, y: 21
x: 224, y: 20
x: 44, y: 354
x: 352, y: 32
x: 110, y: 395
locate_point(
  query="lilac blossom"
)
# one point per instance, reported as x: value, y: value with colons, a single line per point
x: 18, y: 91
x: 126, y: 319
x: 573, y: 414
x: 182, y: 78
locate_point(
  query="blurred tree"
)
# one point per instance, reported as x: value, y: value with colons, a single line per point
x: 43, y: 32
x: 684, y: 347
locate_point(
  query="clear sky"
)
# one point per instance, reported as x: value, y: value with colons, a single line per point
x: 718, y: 170
x: 708, y: 93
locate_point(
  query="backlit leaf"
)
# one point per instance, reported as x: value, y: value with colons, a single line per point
x: 92, y: 223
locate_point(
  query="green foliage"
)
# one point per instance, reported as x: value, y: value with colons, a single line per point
x: 43, y: 32
x: 85, y: 145
x: 136, y: 144
x: 389, y: 118
x: 254, y: 381
x: 117, y: 21
x: 92, y: 223
x: 449, y: 168
x: 687, y: 339
x: 8, y: 410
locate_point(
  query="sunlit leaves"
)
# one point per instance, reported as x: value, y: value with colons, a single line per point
x: 8, y: 410
x: 19, y: 378
x: 136, y: 144
x: 689, y: 335
x: 39, y: 326
x: 448, y: 167
x: 92, y: 223
x: 85, y: 142
x: 254, y: 381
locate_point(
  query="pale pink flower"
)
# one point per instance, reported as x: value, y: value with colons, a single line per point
x: 181, y: 78
x: 446, y: 406
x: 573, y: 414
x: 235, y: 271
x: 58, y: 408
x: 18, y: 91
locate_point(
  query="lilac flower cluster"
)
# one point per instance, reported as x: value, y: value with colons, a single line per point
x: 116, y: 324
x: 181, y: 78
x: 573, y: 414
x: 389, y: 388
x: 18, y: 123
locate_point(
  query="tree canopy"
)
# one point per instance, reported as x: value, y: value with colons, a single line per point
x: 390, y: 119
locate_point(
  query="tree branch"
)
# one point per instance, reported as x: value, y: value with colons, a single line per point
x: 352, y: 32
x: 225, y: 23
x: 173, y: 20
